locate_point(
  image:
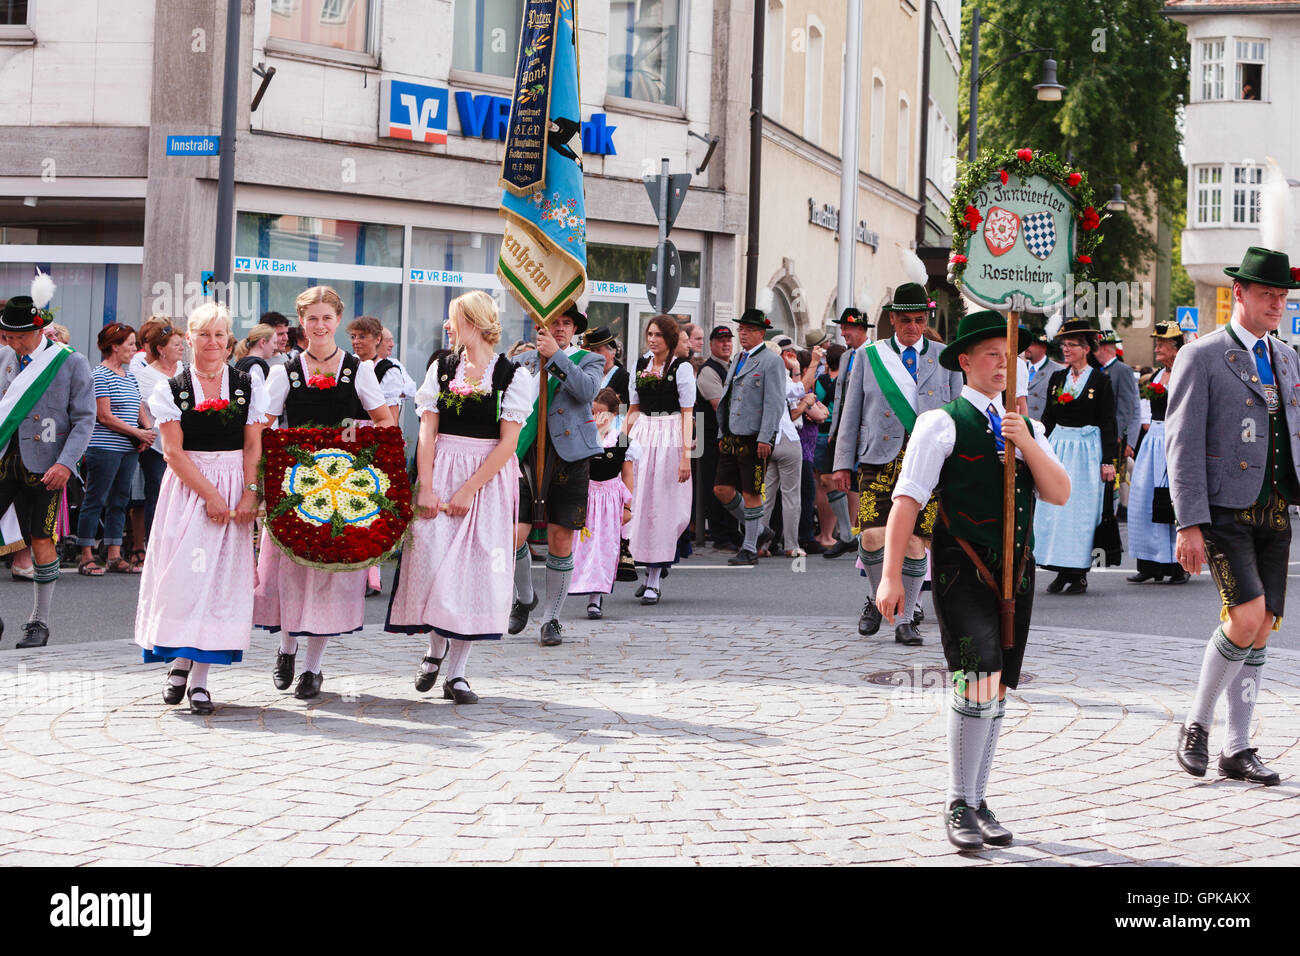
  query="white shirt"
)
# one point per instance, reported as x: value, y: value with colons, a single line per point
x: 138, y: 361
x: 933, y: 440
x: 685, y: 383
x: 1022, y: 377
x: 162, y: 406
x: 516, y: 403
x: 788, y: 431
x: 368, y: 390
x: 1249, y: 340
x: 392, y: 384
x: 147, y: 379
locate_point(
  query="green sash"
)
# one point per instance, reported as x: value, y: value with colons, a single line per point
x: 21, y: 396
x: 528, y: 434
x: 893, y: 394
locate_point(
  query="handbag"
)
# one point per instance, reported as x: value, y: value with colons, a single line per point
x: 1162, y: 506
x: 1106, y: 539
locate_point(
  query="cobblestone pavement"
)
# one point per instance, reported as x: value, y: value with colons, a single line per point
x: 722, y: 741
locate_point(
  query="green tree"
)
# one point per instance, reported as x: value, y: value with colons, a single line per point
x: 1125, y: 69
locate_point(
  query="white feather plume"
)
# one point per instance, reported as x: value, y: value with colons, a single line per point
x: 763, y: 300
x: 1106, y: 320
x: 865, y: 300
x: 1276, y: 210
x: 42, y: 289
x: 583, y: 300
x: 913, y: 267
x: 1053, y: 324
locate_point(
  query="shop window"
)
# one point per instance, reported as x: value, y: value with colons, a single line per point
x: 338, y: 24
x: 630, y: 264
x: 486, y: 35
x: 644, y: 49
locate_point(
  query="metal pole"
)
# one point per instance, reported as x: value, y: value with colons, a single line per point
x: 974, y: 82
x: 226, y: 167
x: 923, y: 165
x: 755, y: 153
x: 849, y: 145
x: 661, y: 252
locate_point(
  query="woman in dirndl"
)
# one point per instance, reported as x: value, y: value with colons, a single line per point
x: 455, y: 581
x: 324, y: 387
x: 1080, y: 424
x: 196, y: 592
x: 609, y: 508
x: 660, y: 422
x: 1152, y: 540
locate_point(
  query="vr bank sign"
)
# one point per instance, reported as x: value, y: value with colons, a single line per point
x: 419, y: 114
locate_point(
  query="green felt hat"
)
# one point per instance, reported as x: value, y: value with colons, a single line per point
x: 1267, y: 268
x: 1110, y: 337
x: 852, y: 316
x: 754, y: 317
x: 21, y: 315
x: 976, y: 327
x: 910, y: 297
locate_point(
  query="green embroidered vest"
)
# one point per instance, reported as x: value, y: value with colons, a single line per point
x: 970, y: 484
x: 1279, y: 470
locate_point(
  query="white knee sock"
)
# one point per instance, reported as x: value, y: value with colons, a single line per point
x: 437, y: 649
x: 199, y: 675
x: 652, y: 577
x: 315, y: 651
x: 178, y: 680
x: 524, y: 575
x: 288, y: 643
x: 457, y: 656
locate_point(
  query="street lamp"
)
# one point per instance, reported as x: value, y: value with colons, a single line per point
x: 1049, y: 90
x: 1116, y: 202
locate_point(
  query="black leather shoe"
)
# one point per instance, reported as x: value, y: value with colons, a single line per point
x: 869, y: 622
x: 1142, y: 577
x: 282, y: 676
x: 743, y: 556
x: 458, y: 690
x: 1178, y: 577
x: 425, y: 679
x: 1058, y: 583
x: 963, y: 830
x: 519, y: 615
x: 639, y: 591
x: 1246, y: 766
x: 906, y: 633
x: 309, y: 685
x: 994, y: 833
x: 36, y: 634
x: 1193, y: 749
x: 838, y: 548
x: 594, y: 611
x: 551, y: 634
x: 175, y: 693
x: 651, y: 596
x: 812, y: 547
x: 202, y: 706
x: 1077, y: 586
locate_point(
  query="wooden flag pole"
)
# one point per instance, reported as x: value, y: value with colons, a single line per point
x: 539, y: 498
x: 1008, y: 602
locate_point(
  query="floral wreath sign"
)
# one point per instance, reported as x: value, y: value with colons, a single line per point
x: 1023, y: 222
x: 333, y: 503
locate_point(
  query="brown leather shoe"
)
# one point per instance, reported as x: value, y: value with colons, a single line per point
x: 1246, y: 766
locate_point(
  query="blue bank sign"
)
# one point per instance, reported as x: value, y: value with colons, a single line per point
x: 419, y: 113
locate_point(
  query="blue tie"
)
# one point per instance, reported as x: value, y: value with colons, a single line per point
x: 909, y: 361
x: 1032, y: 370
x: 1261, y: 363
x: 741, y: 363
x: 996, y: 421
x: 24, y: 361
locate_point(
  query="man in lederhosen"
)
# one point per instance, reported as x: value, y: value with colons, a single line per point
x: 47, y: 414
x: 1233, y: 442
x: 722, y: 528
x: 749, y: 417
x: 854, y: 328
x: 891, y: 382
x: 1040, y: 368
x: 573, y: 379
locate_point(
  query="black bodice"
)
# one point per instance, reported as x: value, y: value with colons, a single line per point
x: 609, y: 463
x: 324, y: 407
x: 1094, y: 406
x: 476, y: 418
x: 661, y: 397
x: 212, y: 430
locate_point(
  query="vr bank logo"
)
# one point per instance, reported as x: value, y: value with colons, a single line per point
x: 413, y: 111
x: 77, y: 909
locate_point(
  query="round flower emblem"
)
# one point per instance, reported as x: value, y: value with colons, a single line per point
x: 333, y: 484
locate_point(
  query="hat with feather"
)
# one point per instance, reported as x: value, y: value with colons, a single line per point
x: 27, y: 313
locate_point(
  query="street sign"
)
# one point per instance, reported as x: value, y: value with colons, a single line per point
x: 673, y: 285
x: 678, y: 183
x: 1222, y: 306
x: 1187, y: 318
x: 183, y: 145
x: 206, y: 277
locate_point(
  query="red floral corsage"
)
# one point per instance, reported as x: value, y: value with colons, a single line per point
x: 321, y: 381
x: 1063, y: 397
x: 212, y: 405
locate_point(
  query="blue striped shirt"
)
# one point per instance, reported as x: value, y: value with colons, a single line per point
x: 124, y: 396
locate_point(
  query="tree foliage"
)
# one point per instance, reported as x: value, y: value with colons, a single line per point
x: 1125, y: 72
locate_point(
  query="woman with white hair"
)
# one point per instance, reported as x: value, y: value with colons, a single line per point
x: 452, y: 583
x: 196, y: 593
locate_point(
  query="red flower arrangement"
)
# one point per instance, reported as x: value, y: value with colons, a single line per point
x: 1026, y: 155
x: 321, y: 381
x: 1074, y: 179
x: 1153, y: 390
x: 958, y: 258
x: 1090, y: 219
x: 334, y: 504
x: 973, y: 218
x: 1295, y: 274
x: 1086, y: 260
x: 212, y: 405
x: 1063, y: 397
x: 1002, y: 175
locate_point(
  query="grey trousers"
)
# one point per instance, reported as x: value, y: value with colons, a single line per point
x: 784, y: 471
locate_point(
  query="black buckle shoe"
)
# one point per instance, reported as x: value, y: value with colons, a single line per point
x: 963, y: 830
x: 282, y: 676
x: 1193, y: 749
x: 451, y: 690
x: 519, y: 614
x: 309, y: 685
x: 1246, y: 766
x: 594, y: 611
x: 869, y: 622
x: 1178, y: 577
x: 201, y: 707
x: 1077, y: 586
x: 424, y: 680
x: 994, y: 833
x: 551, y: 634
x: 838, y: 548
x: 1141, y: 578
x: 175, y: 693
x: 37, y: 633
x: 907, y: 634
x: 651, y: 595
x: 1058, y: 583
x: 743, y: 556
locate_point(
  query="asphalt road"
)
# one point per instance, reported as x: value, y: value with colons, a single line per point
x: 103, y: 609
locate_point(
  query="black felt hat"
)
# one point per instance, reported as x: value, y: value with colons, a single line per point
x: 21, y: 315
x: 854, y: 317
x: 600, y: 335
x: 910, y: 297
x: 755, y: 318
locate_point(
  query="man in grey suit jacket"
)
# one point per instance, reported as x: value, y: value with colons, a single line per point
x: 1040, y: 370
x: 1233, y: 444
x: 749, y: 417
x: 47, y: 414
x: 571, y: 441
x: 892, y: 382
x: 1128, y: 416
x: 854, y: 326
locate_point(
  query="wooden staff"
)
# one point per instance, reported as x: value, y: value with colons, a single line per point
x: 1007, y: 606
x: 539, y: 498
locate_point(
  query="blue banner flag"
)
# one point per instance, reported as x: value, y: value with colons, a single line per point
x: 543, y: 259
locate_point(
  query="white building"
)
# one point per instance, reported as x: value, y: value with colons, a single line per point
x: 1245, y: 71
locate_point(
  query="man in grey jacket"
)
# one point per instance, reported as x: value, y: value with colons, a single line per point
x: 1233, y: 442
x: 749, y: 417
x: 1128, y: 410
x: 892, y: 382
x: 855, y: 327
x: 1040, y: 370
x: 47, y: 414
